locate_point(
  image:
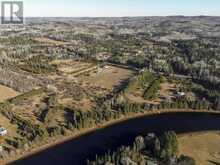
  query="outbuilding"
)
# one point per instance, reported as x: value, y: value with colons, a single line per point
x: 3, y: 131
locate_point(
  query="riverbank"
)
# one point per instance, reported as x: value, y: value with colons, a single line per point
x: 60, y: 140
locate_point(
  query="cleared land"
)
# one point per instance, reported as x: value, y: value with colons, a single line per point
x: 50, y: 41
x: 72, y: 66
x: 11, y: 128
x: 107, y: 77
x: 204, y: 148
x: 80, y: 83
x: 136, y: 95
x: 7, y: 93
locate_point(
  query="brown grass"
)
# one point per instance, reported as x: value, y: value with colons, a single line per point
x: 7, y: 93
x: 165, y: 89
x: 107, y: 77
x: 204, y: 147
x: 71, y: 66
x: 140, y: 99
x: 84, y: 105
x: 50, y: 41
x: 136, y: 95
x: 4, y: 122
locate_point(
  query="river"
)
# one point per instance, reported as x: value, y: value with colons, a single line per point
x: 76, y: 151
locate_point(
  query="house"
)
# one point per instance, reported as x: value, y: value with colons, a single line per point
x: 106, y: 67
x: 181, y: 94
x: 3, y: 131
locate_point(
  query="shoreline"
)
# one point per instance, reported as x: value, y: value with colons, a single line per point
x: 63, y: 139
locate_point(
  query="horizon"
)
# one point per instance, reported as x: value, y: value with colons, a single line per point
x: 124, y: 8
x: 122, y: 16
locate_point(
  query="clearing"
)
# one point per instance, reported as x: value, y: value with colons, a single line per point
x: 72, y: 67
x: 7, y: 93
x: 107, y: 77
x: 11, y: 128
x: 204, y: 147
x: 166, y: 89
x: 50, y: 41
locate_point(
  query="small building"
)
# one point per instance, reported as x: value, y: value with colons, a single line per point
x: 106, y: 67
x: 181, y: 94
x: 3, y: 131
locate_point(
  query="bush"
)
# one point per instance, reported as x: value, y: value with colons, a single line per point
x: 185, y: 160
x: 169, y: 145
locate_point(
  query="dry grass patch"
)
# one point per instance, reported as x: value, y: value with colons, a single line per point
x: 108, y: 77
x: 50, y: 41
x: 166, y: 88
x: 71, y: 66
x: 139, y: 99
x: 204, y: 148
x: 11, y: 128
x: 7, y: 93
x: 29, y: 108
x: 83, y: 105
x: 136, y: 95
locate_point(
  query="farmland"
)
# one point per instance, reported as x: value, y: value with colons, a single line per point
x: 62, y: 76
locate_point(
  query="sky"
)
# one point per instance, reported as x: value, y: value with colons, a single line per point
x: 119, y: 8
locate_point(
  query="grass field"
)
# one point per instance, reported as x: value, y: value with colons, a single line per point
x: 50, y: 41
x: 71, y: 66
x: 204, y: 147
x: 7, y: 93
x: 108, y: 78
x: 136, y: 96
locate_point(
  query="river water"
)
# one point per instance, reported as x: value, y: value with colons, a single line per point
x: 76, y: 151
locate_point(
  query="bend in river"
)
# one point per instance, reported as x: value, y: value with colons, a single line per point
x: 76, y: 151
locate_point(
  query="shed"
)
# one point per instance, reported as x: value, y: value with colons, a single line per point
x: 3, y: 131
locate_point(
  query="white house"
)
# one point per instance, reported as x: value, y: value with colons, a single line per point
x: 3, y: 131
x: 181, y: 94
